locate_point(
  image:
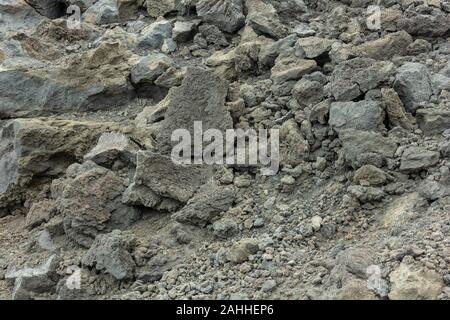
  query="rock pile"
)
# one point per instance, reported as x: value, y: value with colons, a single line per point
x: 92, y: 206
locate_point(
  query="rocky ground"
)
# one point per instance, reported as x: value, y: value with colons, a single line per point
x: 92, y: 207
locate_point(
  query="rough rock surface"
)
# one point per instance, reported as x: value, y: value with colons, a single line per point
x: 93, y: 205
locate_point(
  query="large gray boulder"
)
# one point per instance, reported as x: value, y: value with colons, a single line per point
x: 418, y: 158
x: 434, y: 23
x: 207, y: 204
x: 355, y: 77
x: 413, y: 85
x: 113, y: 147
x: 433, y: 121
x: 228, y: 15
x: 154, y: 35
x: 102, y: 12
x: 364, y: 115
x: 94, y: 80
x: 264, y: 19
x: 167, y: 179
x: 17, y: 15
x: 40, y: 148
x: 30, y: 282
x: 363, y: 148
x: 201, y: 97
x: 111, y: 253
x: 90, y: 201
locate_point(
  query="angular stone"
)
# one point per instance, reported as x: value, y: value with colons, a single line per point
x: 228, y: 15
x: 112, y: 147
x: 102, y: 12
x: 201, y: 97
x: 355, y: 77
x: 290, y: 67
x: 369, y: 175
x: 147, y: 71
x: 184, y: 31
x: 111, y: 253
x: 320, y: 112
x: 313, y: 47
x: 433, y: 121
x: 293, y: 146
x: 359, y: 147
x: 308, y: 92
x: 395, y: 110
x: 140, y: 195
x: 33, y: 148
x: 208, y: 203
x: 272, y: 50
x: 356, y: 261
x: 263, y: 18
x: 167, y: 179
x: 433, y: 190
x: 241, y: 250
x: 40, y: 212
x: 412, y: 281
x: 418, y: 158
x: 385, y: 48
x: 94, y: 80
x: 128, y: 9
x: 90, y: 202
x: 212, y: 35
x: 363, y: 115
x: 413, y: 85
x: 153, y: 36
x: 30, y: 282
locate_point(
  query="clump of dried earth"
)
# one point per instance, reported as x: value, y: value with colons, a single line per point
x: 92, y: 207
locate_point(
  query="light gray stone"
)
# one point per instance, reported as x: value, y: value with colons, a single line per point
x: 363, y: 115
x: 413, y: 85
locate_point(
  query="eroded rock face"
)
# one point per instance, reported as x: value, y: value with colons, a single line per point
x: 362, y: 147
x: 30, y: 282
x: 433, y: 121
x: 412, y: 281
x: 94, y: 206
x: 264, y: 19
x: 32, y: 148
x: 167, y: 179
x: 418, y: 158
x: 226, y: 14
x: 210, y: 201
x: 364, y: 115
x: 90, y: 202
x: 355, y: 77
x: 94, y: 80
x: 201, y: 97
x: 112, y: 148
x: 413, y: 85
x: 112, y: 253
